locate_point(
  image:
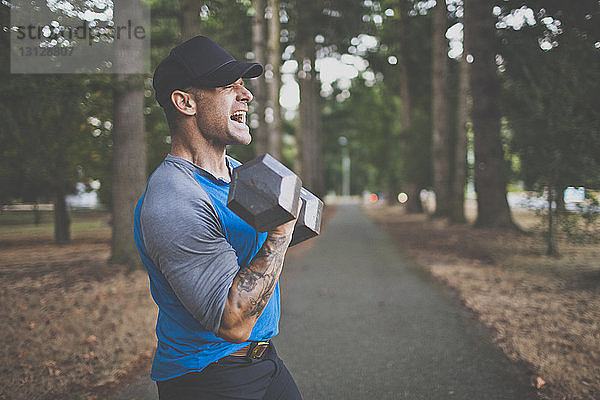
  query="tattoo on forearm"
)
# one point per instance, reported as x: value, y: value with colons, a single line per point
x: 274, y: 249
x: 259, y: 304
x: 249, y: 280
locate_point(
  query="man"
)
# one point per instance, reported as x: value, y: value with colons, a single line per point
x: 213, y: 277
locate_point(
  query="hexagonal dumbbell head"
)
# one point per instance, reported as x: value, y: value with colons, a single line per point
x: 308, y: 224
x: 264, y: 193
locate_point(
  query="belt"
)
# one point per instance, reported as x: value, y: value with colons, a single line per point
x: 253, y: 350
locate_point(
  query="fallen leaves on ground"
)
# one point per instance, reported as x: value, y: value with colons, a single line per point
x: 72, y: 322
x: 544, y: 312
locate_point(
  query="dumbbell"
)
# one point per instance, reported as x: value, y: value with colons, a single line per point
x: 266, y: 194
x: 308, y: 224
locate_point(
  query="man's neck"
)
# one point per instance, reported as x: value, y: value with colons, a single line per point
x: 206, y: 155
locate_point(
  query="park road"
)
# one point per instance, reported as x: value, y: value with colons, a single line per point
x: 361, y: 321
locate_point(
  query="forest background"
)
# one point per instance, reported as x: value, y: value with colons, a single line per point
x: 452, y: 98
x: 489, y: 107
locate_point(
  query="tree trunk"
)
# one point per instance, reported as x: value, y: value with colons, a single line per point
x: 318, y: 174
x: 307, y: 134
x: 189, y: 19
x: 405, y: 120
x: 260, y: 92
x: 551, y: 247
x: 62, y: 220
x: 413, y: 204
x: 129, y: 147
x: 273, y: 78
x: 441, y: 131
x: 560, y: 198
x: 460, y: 164
x: 128, y: 164
x: 490, y: 167
x: 37, y: 215
x: 391, y: 193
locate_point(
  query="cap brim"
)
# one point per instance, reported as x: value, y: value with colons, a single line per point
x: 229, y: 73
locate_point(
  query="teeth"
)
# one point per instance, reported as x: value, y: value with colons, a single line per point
x: 239, y: 116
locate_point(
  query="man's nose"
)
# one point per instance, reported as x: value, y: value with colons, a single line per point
x: 245, y: 95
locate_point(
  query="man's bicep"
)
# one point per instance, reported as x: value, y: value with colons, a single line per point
x: 201, y: 279
x: 192, y: 253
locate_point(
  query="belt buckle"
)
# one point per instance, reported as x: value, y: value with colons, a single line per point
x: 257, y: 349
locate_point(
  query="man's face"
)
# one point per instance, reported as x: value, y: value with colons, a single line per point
x: 221, y: 114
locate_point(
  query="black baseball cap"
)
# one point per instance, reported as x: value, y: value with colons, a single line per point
x: 199, y: 62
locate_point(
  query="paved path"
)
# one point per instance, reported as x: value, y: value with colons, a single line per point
x: 361, y: 322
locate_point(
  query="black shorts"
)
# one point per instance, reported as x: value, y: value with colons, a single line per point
x: 234, y: 377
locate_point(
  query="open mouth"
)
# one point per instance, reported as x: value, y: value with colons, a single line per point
x: 239, y: 117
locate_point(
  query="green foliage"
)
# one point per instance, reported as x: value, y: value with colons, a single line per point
x: 551, y: 95
x: 551, y: 99
x: 368, y: 119
x: 46, y: 140
x: 336, y: 21
x: 583, y: 225
x: 407, y: 36
x: 229, y: 23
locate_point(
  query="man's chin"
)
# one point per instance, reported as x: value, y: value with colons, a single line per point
x: 241, y: 140
x: 244, y: 137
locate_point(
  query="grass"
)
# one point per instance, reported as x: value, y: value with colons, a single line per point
x: 19, y: 225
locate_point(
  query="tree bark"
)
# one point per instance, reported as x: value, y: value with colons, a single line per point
x: 405, y: 120
x: 128, y: 164
x: 37, y: 215
x: 460, y: 163
x: 560, y: 198
x: 392, y: 189
x: 551, y: 247
x: 441, y: 131
x: 413, y: 204
x: 62, y: 220
x: 307, y: 134
x: 129, y: 147
x: 189, y: 19
x: 318, y: 174
x: 274, y: 81
x: 490, y: 167
x: 260, y: 92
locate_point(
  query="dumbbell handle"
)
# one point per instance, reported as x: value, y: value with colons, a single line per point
x: 308, y: 224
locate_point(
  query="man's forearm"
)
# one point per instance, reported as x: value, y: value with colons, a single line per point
x: 252, y: 288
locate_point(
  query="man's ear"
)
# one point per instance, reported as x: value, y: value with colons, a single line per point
x: 184, y: 102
